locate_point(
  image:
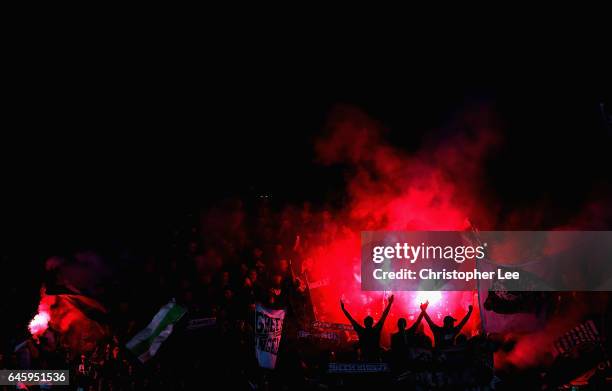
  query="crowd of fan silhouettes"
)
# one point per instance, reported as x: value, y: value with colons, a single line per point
x: 236, y: 260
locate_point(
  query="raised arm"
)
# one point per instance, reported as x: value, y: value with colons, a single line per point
x: 354, y: 323
x: 465, y: 318
x: 413, y: 328
x: 430, y: 322
x: 382, y: 319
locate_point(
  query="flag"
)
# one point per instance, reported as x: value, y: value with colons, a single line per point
x: 581, y: 334
x: 505, y: 310
x: 512, y: 305
x: 146, y: 343
x: 268, y: 332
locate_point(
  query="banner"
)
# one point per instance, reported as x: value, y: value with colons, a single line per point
x: 332, y: 326
x: 201, y: 323
x: 268, y: 333
x: 376, y: 367
x: 325, y: 336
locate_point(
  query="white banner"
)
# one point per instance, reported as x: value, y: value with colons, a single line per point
x: 268, y: 332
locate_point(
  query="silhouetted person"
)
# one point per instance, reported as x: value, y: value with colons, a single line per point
x: 444, y: 336
x: 83, y: 374
x: 369, y: 334
x: 404, y: 338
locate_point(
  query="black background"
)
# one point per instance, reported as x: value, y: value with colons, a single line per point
x: 112, y: 151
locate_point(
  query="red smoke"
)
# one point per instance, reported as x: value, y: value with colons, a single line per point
x: 68, y: 317
x: 436, y: 188
x: 72, y: 318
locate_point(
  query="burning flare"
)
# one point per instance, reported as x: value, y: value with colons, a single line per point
x: 39, y: 324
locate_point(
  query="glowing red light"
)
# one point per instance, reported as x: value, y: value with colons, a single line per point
x: 427, y: 296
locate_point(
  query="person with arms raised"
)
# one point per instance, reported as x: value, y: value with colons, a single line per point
x: 444, y: 336
x: 369, y: 334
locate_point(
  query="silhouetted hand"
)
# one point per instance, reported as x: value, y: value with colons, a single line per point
x: 470, y: 307
x: 391, y: 298
x: 341, y: 304
x: 424, y: 306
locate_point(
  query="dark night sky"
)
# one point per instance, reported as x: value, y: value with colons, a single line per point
x: 118, y: 154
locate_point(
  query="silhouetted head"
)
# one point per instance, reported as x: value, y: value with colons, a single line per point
x: 368, y: 322
x: 401, y: 323
x: 449, y: 321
